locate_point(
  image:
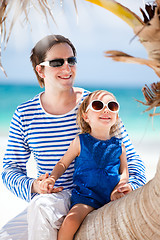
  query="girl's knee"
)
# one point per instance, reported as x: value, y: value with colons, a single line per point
x: 72, y: 220
x: 69, y: 227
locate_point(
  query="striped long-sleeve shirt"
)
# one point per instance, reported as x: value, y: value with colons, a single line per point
x: 32, y: 130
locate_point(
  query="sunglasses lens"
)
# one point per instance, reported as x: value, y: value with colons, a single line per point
x: 72, y: 61
x: 113, y: 106
x: 59, y: 62
x: 56, y: 62
x: 97, y: 105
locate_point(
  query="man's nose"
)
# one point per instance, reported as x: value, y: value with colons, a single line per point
x: 66, y: 66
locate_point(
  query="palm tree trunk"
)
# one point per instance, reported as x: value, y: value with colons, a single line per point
x: 135, y: 216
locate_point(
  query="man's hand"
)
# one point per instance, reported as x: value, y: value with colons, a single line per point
x: 37, y: 185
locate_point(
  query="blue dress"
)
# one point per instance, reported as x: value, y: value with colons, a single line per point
x: 96, y: 170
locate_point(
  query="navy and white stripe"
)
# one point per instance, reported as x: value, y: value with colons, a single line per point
x: 48, y: 138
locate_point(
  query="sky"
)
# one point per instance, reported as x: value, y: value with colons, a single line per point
x: 92, y: 30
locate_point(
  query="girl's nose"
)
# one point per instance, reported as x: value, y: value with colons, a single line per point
x: 105, y: 109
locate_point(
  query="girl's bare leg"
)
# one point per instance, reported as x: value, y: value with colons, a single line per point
x: 73, y: 220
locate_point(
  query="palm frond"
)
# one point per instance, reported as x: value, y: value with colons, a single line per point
x: 12, y: 10
x: 121, y: 11
x: 120, y: 56
x: 152, y: 97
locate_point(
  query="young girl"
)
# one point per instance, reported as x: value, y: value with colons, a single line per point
x: 100, y: 161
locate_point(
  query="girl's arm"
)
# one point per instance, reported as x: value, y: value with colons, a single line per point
x: 136, y: 167
x: 73, y: 151
x: 124, y: 176
x: 123, y: 167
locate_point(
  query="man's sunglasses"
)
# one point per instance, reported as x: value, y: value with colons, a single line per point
x: 98, y: 105
x: 58, y: 62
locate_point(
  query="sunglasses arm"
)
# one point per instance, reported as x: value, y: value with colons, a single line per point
x: 46, y: 63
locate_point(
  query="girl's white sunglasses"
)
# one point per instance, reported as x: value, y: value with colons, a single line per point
x: 98, y: 105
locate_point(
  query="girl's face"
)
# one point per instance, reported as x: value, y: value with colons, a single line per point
x: 103, y: 119
x: 59, y: 77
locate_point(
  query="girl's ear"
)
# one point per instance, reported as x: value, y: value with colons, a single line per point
x: 40, y: 71
x: 85, y: 117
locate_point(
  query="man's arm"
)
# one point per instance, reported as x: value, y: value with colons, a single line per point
x: 14, y: 172
x: 136, y: 168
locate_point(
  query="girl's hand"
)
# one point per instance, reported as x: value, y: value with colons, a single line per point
x: 120, y: 190
x: 37, y: 186
x: 126, y: 188
x: 116, y: 195
x: 46, y: 185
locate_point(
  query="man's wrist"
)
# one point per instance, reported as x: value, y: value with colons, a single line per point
x: 34, y: 187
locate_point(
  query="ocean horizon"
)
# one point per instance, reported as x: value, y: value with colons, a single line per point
x: 138, y: 124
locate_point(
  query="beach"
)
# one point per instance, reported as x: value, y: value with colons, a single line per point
x: 10, y: 205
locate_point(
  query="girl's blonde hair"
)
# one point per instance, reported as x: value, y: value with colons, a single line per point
x: 84, y: 126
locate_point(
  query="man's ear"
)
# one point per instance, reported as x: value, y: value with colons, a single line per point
x: 85, y: 117
x: 40, y: 71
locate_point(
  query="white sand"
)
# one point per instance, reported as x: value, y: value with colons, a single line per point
x: 10, y: 205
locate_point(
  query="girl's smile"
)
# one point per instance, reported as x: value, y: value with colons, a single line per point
x: 105, y: 118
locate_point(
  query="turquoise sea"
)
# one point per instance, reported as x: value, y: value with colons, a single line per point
x: 138, y: 124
